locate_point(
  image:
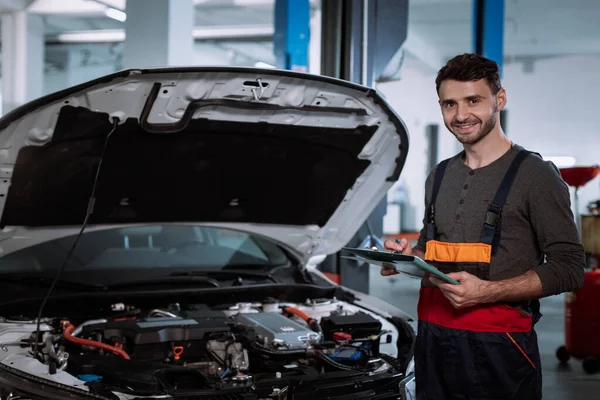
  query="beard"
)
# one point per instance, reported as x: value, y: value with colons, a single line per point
x: 485, y: 127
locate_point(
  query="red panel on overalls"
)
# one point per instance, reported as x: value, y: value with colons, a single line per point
x: 482, y: 352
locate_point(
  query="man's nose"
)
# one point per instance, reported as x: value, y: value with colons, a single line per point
x: 462, y: 114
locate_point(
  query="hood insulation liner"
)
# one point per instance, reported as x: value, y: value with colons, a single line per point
x: 217, y: 171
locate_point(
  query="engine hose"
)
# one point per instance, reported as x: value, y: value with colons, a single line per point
x: 51, y: 351
x: 162, y: 313
x: 334, y: 363
x: 313, y: 323
x: 68, y: 330
x: 79, y: 329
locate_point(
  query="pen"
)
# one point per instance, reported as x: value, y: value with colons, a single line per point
x: 397, y: 251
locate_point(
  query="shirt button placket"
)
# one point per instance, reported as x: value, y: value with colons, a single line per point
x: 461, y: 201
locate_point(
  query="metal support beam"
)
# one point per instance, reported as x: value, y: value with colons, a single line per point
x: 360, y: 38
x: 22, y: 58
x: 159, y: 33
x: 488, y: 29
x: 388, y: 30
x: 331, y: 38
x: 292, y: 34
x: 343, y: 35
x: 488, y: 36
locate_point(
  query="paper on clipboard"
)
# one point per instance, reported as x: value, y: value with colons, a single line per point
x: 409, y: 265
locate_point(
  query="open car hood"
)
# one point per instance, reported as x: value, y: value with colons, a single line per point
x: 298, y: 158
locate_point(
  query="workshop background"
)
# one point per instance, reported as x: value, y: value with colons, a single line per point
x: 549, y: 51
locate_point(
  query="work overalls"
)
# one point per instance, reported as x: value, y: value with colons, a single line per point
x: 483, y: 352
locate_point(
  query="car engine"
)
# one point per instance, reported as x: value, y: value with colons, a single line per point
x: 260, y: 350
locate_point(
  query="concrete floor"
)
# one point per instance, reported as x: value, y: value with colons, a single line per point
x: 568, y: 382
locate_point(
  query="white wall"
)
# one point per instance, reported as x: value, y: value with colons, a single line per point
x: 415, y: 100
x: 551, y: 110
x: 554, y: 111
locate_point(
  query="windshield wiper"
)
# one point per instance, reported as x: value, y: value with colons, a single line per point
x: 228, y: 273
x: 166, y: 281
x: 43, y: 281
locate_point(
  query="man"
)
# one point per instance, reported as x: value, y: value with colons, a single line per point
x: 498, y: 220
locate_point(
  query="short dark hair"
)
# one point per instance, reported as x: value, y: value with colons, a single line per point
x: 470, y: 67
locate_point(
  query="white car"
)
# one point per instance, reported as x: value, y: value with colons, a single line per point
x: 161, y: 231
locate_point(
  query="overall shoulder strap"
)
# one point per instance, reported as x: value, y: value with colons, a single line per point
x: 439, y: 176
x: 491, y: 227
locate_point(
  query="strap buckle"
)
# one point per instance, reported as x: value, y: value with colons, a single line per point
x: 492, y: 216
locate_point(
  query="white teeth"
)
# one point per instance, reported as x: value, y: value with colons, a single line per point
x: 466, y: 126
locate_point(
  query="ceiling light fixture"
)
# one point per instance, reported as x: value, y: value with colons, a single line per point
x: 229, y: 32
x: 97, y: 36
x: 115, y: 14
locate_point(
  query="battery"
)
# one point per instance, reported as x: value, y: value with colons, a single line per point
x: 358, y: 325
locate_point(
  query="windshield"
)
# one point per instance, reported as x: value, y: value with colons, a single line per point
x: 146, y: 250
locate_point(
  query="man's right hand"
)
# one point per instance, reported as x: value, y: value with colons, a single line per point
x: 403, y: 247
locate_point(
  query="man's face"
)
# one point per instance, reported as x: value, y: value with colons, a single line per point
x: 470, y: 110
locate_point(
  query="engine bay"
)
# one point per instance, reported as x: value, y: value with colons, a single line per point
x: 261, y: 350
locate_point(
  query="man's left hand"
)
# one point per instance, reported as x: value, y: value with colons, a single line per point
x: 470, y: 292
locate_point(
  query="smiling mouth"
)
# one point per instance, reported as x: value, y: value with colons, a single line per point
x: 465, y: 126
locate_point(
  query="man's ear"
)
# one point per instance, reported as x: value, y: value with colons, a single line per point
x: 501, y: 99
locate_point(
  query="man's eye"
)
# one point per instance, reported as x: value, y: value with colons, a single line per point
x: 474, y: 101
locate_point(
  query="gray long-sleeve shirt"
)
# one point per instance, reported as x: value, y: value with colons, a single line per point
x: 537, y: 220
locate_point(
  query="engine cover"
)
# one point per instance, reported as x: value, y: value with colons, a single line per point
x: 277, y: 329
x: 160, y: 330
x: 159, y: 338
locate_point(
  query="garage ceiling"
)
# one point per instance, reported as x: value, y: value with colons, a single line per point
x: 87, y: 15
x: 532, y: 28
x: 438, y: 29
x: 213, y: 18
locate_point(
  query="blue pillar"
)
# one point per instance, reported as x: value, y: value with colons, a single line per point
x: 292, y: 23
x: 488, y: 29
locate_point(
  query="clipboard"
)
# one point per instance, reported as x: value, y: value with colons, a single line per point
x: 409, y: 265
